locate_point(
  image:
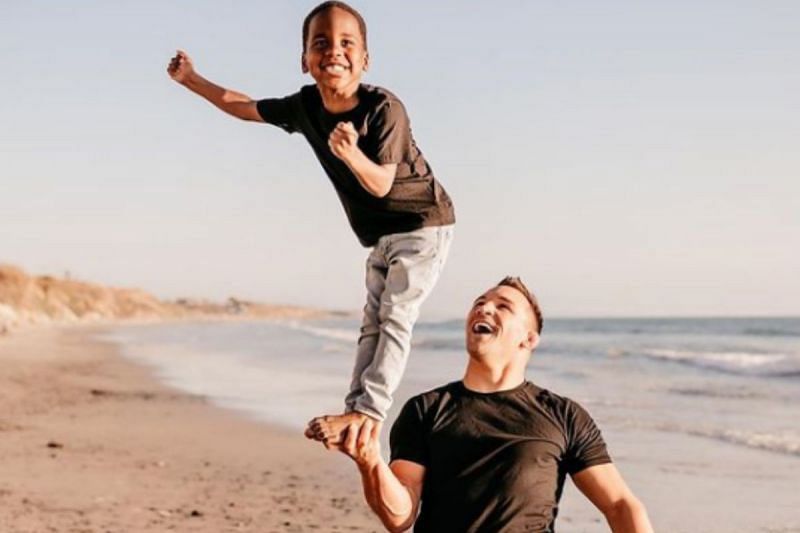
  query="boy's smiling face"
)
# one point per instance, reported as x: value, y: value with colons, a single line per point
x: 335, y: 55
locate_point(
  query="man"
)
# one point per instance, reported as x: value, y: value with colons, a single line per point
x: 490, y: 453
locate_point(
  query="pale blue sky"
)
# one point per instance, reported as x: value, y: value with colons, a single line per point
x: 624, y: 158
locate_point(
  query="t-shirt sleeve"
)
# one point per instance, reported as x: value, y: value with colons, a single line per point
x: 392, y: 132
x: 407, y: 439
x: 278, y: 112
x: 586, y: 446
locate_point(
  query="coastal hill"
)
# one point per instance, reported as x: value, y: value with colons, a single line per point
x: 28, y: 299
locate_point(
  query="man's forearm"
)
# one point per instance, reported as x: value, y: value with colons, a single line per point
x: 225, y: 99
x: 629, y: 516
x: 387, y: 496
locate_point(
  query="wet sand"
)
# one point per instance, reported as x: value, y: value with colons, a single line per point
x: 90, y: 442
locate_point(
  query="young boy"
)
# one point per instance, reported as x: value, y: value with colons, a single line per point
x: 362, y: 138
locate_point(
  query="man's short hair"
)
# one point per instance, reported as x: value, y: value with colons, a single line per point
x: 324, y: 6
x: 516, y: 283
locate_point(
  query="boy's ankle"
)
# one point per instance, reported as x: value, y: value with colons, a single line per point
x: 363, y: 415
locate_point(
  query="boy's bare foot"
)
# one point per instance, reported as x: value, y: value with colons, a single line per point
x: 332, y: 429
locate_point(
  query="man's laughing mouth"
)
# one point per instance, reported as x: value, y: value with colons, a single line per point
x: 483, y: 327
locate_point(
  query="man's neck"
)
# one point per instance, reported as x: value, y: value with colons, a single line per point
x: 339, y: 101
x: 483, y: 378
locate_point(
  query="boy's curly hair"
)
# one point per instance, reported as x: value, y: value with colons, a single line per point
x: 324, y: 6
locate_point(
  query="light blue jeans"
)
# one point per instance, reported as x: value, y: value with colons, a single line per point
x: 402, y: 269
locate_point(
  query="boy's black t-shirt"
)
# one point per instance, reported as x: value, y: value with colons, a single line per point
x: 494, y: 462
x: 416, y: 198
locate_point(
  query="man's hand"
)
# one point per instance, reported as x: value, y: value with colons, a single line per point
x: 343, y: 141
x: 362, y: 443
x: 393, y: 493
x: 180, y: 67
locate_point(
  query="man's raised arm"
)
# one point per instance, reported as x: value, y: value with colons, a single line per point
x: 181, y: 69
x: 606, y: 489
x: 392, y: 491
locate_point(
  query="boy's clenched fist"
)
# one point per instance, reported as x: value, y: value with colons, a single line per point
x: 180, y: 67
x: 343, y: 140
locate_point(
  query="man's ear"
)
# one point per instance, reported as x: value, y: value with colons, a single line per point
x: 303, y: 63
x: 531, y: 341
x: 366, y: 61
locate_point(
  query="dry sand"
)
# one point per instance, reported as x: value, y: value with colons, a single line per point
x: 90, y: 442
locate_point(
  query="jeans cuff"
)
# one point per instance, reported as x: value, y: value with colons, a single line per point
x: 364, y: 410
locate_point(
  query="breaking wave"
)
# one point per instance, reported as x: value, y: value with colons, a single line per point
x: 747, y: 363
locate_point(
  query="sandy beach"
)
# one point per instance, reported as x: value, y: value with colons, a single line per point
x: 90, y: 442
x: 93, y: 440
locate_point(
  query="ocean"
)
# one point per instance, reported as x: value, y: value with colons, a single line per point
x: 681, y: 401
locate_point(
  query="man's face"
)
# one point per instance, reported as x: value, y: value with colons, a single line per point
x: 500, y: 325
x: 335, y: 54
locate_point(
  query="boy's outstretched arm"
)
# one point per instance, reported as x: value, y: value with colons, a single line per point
x: 234, y: 103
x: 392, y: 491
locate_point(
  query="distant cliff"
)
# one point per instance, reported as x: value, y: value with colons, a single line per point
x: 27, y: 299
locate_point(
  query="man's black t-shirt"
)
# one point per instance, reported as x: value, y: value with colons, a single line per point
x: 494, y: 462
x: 416, y: 199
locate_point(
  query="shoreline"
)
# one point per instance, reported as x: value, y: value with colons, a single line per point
x: 12, y: 328
x: 91, y: 441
